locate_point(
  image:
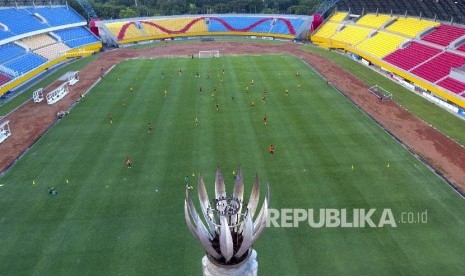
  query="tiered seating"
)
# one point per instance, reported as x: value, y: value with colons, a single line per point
x: 37, y: 41
x: 461, y: 48
x: 444, y: 34
x: 452, y: 85
x: 326, y: 30
x: 25, y: 63
x: 410, y: 27
x: 338, y: 16
x: 52, y: 51
x: 168, y: 26
x: 57, y: 16
x: 280, y: 26
x: 381, y: 44
x: 4, y: 78
x: 270, y: 25
x: 373, y: 20
x: 20, y: 21
x: 351, y: 34
x: 10, y: 51
x: 439, y: 66
x: 76, y: 37
x: 5, y: 34
x: 411, y: 55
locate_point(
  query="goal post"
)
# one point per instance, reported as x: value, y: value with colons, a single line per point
x: 209, y: 54
x: 380, y: 93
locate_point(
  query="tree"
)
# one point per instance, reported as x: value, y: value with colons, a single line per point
x: 127, y: 13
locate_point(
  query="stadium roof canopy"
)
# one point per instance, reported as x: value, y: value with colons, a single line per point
x: 444, y: 10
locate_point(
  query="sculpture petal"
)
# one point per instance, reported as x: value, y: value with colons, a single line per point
x: 195, y: 216
x: 220, y: 190
x: 206, y: 242
x: 205, y: 205
x: 238, y: 194
x: 247, y: 235
x: 190, y: 225
x: 226, y: 243
x: 254, y: 197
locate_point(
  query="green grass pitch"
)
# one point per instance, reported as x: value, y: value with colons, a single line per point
x: 111, y: 220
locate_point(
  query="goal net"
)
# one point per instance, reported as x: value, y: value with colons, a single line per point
x: 380, y: 92
x: 209, y: 54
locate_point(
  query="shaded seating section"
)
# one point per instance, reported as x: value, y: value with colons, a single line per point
x: 76, y: 37
x: 410, y: 26
x: 411, y: 56
x: 10, y: 51
x: 52, y: 51
x: 57, y: 15
x: 373, y: 20
x: 444, y: 34
x: 4, y: 78
x: 381, y: 44
x: 37, y: 41
x: 439, y: 66
x: 25, y: 63
x: 351, y: 35
x: 452, y: 85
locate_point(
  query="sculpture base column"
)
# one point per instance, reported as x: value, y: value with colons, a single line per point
x: 247, y: 268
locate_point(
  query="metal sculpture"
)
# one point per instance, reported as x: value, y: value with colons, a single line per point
x: 227, y: 229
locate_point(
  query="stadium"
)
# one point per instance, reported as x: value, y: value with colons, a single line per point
x: 353, y: 113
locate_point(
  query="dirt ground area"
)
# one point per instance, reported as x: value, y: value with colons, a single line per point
x: 31, y: 120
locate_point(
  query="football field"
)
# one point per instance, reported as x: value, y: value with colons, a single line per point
x: 108, y: 219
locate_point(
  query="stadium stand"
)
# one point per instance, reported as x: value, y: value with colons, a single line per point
x: 338, y: 16
x: 410, y: 26
x: 324, y: 32
x: 4, y: 78
x: 411, y: 56
x: 20, y: 21
x: 444, y: 34
x: 381, y: 44
x: 10, y: 51
x: 446, y: 10
x: 461, y: 48
x: 76, y: 37
x: 25, y: 63
x: 52, y: 51
x: 374, y: 20
x: 56, y: 16
x: 439, y: 66
x: 351, y: 35
x: 452, y: 85
x: 28, y: 47
x: 171, y: 27
x: 37, y: 41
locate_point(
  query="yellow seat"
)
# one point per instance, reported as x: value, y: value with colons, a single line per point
x: 381, y: 44
x: 351, y: 35
x: 410, y: 26
x: 373, y: 20
x: 338, y: 16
